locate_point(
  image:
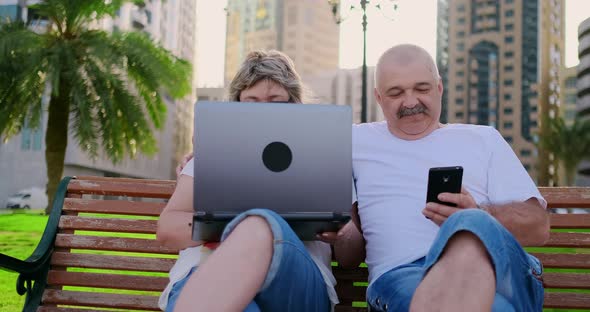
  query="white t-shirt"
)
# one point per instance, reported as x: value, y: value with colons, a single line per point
x: 188, y: 258
x: 391, y: 178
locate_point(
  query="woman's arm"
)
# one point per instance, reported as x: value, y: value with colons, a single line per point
x: 175, y: 223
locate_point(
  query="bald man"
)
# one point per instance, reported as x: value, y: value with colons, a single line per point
x: 432, y: 257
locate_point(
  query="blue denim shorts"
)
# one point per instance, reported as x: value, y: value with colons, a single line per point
x: 519, y: 285
x: 293, y: 282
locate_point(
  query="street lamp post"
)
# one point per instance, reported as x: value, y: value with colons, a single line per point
x: 364, y: 73
x: 335, y: 11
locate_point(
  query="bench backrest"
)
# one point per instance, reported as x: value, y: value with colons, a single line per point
x: 106, y: 255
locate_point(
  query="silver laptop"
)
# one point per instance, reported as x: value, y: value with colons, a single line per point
x: 294, y: 159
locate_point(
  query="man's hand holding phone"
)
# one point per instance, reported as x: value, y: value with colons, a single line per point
x: 439, y: 213
x: 445, y: 194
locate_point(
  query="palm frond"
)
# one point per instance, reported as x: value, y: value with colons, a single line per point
x: 22, y: 79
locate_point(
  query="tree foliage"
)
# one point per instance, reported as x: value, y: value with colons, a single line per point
x: 105, y: 88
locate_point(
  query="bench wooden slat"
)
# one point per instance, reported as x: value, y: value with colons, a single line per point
x: 56, y: 309
x: 573, y: 240
x: 566, y: 280
x: 115, y: 281
x: 565, y: 261
x: 108, y: 225
x: 566, y: 197
x: 64, y: 259
x: 113, y: 207
x: 112, y: 243
x: 101, y: 300
x: 355, y: 275
x: 340, y: 308
x: 347, y: 293
x: 122, y: 188
x: 569, y: 221
x: 566, y: 300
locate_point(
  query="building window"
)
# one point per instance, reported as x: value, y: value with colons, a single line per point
x: 508, y: 82
x: 508, y: 125
x: 570, y: 82
x: 509, y: 39
x: 25, y: 139
x: 525, y: 152
x: 507, y: 96
x: 461, y: 21
x: 459, y: 115
x: 460, y: 73
x: 461, y: 8
x: 509, y: 1
x: 509, y: 13
x: 509, y: 27
x: 461, y: 34
x: 508, y: 54
x: 508, y: 68
x: 459, y: 88
x: 461, y: 46
x: 527, y: 167
x: 571, y: 98
x: 508, y: 139
x: 460, y: 60
x: 459, y: 101
x: 508, y: 111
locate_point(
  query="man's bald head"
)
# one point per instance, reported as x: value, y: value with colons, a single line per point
x: 404, y: 54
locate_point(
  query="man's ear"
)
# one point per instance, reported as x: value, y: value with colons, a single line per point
x: 377, y: 96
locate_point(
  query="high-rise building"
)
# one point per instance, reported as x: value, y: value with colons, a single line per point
x: 569, y: 95
x: 344, y: 87
x: 583, y: 74
x: 303, y: 29
x: 502, y: 69
x: 173, y: 24
x: 583, y: 86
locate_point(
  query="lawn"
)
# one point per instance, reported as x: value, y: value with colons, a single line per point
x: 19, y: 235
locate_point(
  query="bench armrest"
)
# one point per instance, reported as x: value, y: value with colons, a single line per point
x: 35, y: 266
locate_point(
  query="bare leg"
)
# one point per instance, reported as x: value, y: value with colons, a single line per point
x: 234, y: 273
x: 462, y: 280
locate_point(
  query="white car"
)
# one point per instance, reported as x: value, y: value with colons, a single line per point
x: 28, y: 198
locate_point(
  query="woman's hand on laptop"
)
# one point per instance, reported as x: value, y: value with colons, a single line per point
x: 185, y: 159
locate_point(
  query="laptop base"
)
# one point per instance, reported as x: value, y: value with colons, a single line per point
x: 209, y: 227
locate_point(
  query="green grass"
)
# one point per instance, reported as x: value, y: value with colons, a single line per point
x: 19, y: 235
x: 21, y: 231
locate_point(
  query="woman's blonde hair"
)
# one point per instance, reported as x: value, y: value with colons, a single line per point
x: 272, y: 65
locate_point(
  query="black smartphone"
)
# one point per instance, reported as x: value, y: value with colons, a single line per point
x: 443, y: 180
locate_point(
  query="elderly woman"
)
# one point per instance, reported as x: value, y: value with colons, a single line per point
x: 261, y: 265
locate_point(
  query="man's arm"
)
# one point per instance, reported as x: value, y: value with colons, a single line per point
x: 175, y: 223
x: 349, y: 244
x: 528, y: 221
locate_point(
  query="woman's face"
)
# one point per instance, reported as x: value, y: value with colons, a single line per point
x: 265, y: 91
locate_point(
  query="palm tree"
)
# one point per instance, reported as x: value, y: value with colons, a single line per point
x: 569, y: 144
x: 105, y: 88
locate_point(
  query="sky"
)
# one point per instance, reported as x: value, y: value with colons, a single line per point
x: 413, y: 22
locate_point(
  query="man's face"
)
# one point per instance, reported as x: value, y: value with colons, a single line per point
x: 410, y: 96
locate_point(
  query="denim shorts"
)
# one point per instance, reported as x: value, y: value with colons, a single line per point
x: 519, y: 285
x: 293, y: 282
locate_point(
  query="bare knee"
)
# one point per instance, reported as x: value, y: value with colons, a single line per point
x: 466, y: 247
x: 253, y: 231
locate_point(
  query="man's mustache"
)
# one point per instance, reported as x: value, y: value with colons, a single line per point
x: 409, y: 111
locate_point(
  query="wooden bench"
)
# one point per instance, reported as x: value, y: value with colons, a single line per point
x: 98, y: 251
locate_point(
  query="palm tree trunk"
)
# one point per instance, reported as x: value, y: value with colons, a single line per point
x: 56, y: 139
x: 570, y: 175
